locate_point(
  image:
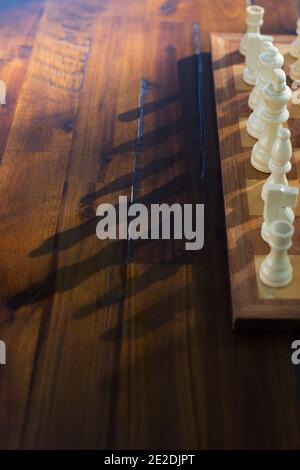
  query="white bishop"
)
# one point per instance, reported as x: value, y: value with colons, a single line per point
x: 279, y: 163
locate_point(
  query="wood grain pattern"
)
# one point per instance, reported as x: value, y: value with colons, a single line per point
x: 279, y: 16
x: 116, y: 344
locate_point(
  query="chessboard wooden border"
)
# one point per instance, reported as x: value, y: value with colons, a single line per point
x: 249, y: 310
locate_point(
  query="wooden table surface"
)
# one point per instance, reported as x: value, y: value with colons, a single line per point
x: 116, y: 344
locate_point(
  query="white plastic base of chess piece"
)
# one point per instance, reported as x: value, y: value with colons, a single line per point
x: 255, y: 124
x: 249, y: 77
x: 258, y: 159
x: 276, y: 269
x: 243, y: 45
x: 253, y: 98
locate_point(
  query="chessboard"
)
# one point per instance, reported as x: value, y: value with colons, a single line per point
x: 254, y: 305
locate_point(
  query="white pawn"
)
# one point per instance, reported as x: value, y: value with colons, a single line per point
x: 254, y: 46
x: 279, y: 203
x: 276, y: 269
x: 256, y: 92
x: 268, y: 61
x: 254, y: 20
x: 276, y: 96
x: 279, y: 163
x: 294, y: 49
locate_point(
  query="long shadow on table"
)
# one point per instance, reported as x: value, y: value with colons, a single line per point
x: 155, y: 167
x: 71, y: 276
x: 150, y: 318
x: 183, y: 187
x: 72, y: 236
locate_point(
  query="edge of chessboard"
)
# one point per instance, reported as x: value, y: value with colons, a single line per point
x: 254, y: 305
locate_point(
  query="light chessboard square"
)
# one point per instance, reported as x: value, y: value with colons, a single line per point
x: 292, y: 291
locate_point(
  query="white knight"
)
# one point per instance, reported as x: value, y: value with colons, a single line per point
x: 280, y: 200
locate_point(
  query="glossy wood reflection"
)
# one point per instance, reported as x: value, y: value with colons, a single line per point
x: 119, y: 344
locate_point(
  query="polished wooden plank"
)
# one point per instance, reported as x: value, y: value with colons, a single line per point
x: 88, y: 298
x: 121, y: 345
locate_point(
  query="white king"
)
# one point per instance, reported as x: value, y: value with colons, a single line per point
x: 256, y: 92
x: 269, y: 60
x: 276, y: 96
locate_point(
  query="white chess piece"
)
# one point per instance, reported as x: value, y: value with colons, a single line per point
x: 276, y: 269
x: 279, y: 203
x: 2, y: 92
x: 268, y: 61
x: 254, y: 46
x: 295, y: 70
x: 256, y: 92
x: 296, y: 92
x: 276, y: 96
x: 254, y: 20
x: 294, y: 49
x: 279, y: 163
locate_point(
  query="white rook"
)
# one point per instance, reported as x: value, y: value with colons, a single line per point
x: 254, y: 20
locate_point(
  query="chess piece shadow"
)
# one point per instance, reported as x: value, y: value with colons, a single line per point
x: 185, y: 187
x: 228, y: 60
x: 151, y: 107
